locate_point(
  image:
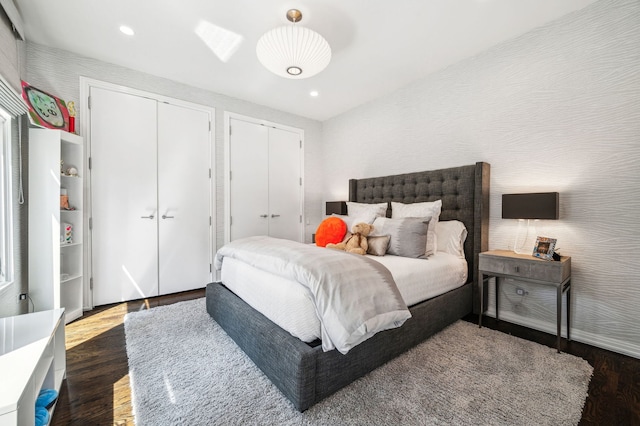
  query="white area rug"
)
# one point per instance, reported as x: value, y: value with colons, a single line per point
x: 185, y: 370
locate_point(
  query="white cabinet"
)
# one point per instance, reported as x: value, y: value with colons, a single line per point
x: 265, y: 181
x: 151, y: 197
x: 32, y: 357
x: 56, y: 231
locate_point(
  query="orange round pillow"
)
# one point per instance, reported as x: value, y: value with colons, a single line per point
x: 330, y: 230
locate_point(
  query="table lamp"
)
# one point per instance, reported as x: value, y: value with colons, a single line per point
x: 336, y: 207
x: 536, y: 206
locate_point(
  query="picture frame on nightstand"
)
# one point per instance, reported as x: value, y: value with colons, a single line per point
x: 544, y: 248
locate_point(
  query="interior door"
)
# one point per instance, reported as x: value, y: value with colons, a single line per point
x: 249, y: 189
x: 123, y: 197
x: 285, y: 186
x: 184, y: 198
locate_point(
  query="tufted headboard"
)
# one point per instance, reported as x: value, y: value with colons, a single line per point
x: 464, y: 192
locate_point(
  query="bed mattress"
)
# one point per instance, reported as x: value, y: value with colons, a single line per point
x: 290, y: 306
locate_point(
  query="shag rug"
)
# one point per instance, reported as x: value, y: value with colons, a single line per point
x: 184, y: 370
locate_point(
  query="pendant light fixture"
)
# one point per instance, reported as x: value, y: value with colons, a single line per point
x: 293, y: 51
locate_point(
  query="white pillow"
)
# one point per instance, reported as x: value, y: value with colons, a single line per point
x: 361, y: 209
x: 427, y: 209
x: 366, y: 217
x: 451, y: 237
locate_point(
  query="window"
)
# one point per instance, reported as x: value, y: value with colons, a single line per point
x: 6, y: 217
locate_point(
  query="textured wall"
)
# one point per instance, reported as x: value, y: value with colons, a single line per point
x: 557, y: 109
x: 58, y: 72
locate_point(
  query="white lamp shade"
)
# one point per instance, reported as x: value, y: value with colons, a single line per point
x: 285, y: 49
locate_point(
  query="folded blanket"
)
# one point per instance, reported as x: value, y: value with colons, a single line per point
x: 355, y: 297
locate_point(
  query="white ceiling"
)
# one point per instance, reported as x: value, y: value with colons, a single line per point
x: 378, y: 45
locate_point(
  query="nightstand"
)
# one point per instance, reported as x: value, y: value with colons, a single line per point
x: 507, y: 264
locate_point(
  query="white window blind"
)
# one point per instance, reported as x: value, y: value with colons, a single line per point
x: 11, y: 101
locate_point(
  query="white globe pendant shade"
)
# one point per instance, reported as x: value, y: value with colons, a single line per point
x: 293, y: 52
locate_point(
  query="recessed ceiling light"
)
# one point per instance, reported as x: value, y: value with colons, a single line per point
x: 314, y: 93
x: 126, y: 30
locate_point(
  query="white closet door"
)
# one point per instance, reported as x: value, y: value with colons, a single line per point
x: 284, y: 185
x: 249, y: 191
x: 124, y: 197
x: 184, y: 198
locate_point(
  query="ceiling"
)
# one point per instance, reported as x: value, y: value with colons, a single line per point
x: 377, y: 46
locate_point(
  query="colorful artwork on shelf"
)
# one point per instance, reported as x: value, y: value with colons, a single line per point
x: 45, y: 110
x: 67, y: 233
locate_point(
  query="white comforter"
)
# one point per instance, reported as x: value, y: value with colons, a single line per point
x: 354, y: 297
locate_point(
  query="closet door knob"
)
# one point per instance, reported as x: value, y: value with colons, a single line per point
x: 164, y: 216
x: 147, y: 217
x: 275, y: 215
x: 264, y: 215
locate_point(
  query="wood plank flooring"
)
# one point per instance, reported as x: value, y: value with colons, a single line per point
x: 96, y: 391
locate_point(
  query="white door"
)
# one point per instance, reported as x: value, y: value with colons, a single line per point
x: 184, y: 198
x: 249, y: 184
x: 124, y: 197
x: 265, y: 181
x: 285, y: 210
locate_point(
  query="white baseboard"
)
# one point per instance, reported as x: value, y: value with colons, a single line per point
x: 592, y: 339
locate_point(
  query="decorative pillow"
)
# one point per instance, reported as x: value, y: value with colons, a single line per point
x: 366, y: 217
x: 330, y: 230
x: 408, y: 236
x: 360, y: 209
x: 378, y: 245
x: 451, y: 237
x: 430, y: 209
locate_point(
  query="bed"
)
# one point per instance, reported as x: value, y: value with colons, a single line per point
x: 306, y: 374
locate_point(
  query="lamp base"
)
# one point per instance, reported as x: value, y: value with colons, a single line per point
x: 523, y: 245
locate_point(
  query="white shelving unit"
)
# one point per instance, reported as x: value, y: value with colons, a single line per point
x: 32, y: 357
x: 55, y: 265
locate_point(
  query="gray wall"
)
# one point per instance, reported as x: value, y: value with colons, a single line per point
x: 12, y: 65
x: 557, y: 109
x: 58, y: 72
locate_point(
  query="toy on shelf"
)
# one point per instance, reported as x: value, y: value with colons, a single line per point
x: 67, y: 233
x: 71, y: 107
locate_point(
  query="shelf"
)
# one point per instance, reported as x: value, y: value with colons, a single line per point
x: 32, y: 358
x: 48, y: 256
x: 71, y: 278
x: 70, y: 245
x: 72, y: 314
x: 70, y: 137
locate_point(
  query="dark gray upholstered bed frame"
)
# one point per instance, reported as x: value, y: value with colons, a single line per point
x: 303, y: 372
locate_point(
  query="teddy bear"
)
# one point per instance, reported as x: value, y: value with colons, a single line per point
x: 356, y: 241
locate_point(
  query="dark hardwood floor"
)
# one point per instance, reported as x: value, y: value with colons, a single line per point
x: 96, y: 391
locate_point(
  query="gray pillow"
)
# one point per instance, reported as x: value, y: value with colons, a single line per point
x: 378, y: 245
x: 408, y: 235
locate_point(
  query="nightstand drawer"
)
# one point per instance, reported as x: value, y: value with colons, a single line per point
x: 513, y: 267
x: 522, y: 266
